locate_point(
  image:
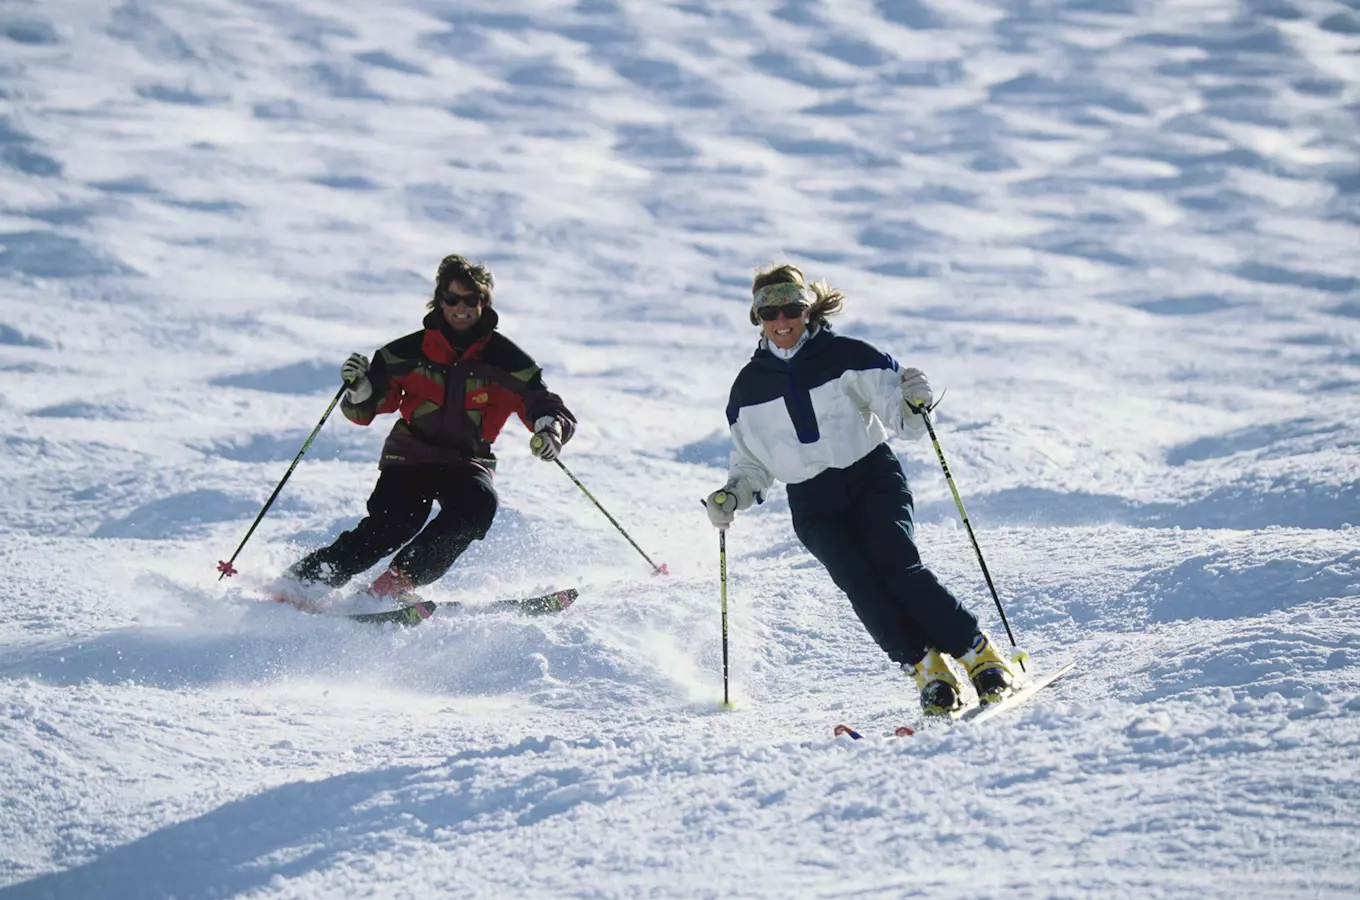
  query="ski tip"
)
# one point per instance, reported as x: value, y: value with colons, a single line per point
x: 899, y: 731
x: 300, y: 604
x: 566, y: 598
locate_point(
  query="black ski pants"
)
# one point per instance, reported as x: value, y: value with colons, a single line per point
x: 397, y: 510
x: 858, y: 522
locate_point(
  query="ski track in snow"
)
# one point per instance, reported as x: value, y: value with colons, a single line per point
x: 1122, y: 235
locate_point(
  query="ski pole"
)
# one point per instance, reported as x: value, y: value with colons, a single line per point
x: 656, y: 570
x: 225, y: 567
x: 722, y: 576
x: 924, y: 413
x: 720, y: 498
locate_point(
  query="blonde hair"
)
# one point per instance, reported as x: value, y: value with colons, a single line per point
x: 830, y: 301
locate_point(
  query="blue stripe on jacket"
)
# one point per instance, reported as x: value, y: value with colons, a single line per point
x: 824, y: 358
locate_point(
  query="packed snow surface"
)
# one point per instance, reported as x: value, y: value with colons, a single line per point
x: 1124, y: 237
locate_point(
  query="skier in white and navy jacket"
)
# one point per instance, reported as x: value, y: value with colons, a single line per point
x: 812, y: 409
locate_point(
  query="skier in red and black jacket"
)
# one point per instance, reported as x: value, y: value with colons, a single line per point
x: 455, y: 383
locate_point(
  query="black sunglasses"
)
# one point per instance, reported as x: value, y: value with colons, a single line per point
x: 790, y: 311
x: 449, y: 298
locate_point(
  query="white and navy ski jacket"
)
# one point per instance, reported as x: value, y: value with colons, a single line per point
x: 825, y: 408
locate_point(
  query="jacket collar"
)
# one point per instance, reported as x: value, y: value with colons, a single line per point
x: 816, y: 332
x: 444, y: 345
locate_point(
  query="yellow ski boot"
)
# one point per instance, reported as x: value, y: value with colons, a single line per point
x: 988, y: 670
x: 937, y: 683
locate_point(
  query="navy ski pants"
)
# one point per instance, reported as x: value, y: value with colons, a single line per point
x: 397, y: 510
x: 858, y: 522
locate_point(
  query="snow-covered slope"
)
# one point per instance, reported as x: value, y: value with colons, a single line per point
x: 1123, y: 235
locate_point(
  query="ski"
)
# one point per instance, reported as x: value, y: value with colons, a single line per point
x: 545, y: 605
x: 977, y: 713
x: 406, y: 616
x: 1017, y: 698
x: 899, y: 731
x: 415, y: 613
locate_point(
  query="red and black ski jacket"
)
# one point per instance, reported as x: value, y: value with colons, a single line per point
x: 454, y: 402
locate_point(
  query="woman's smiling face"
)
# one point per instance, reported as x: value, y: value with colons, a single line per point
x: 781, y: 310
x: 784, y: 332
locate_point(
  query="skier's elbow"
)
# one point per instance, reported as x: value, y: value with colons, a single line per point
x: 359, y: 416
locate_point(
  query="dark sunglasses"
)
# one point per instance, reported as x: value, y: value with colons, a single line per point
x: 790, y: 311
x: 449, y: 298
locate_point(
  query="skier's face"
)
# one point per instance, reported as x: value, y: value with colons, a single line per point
x: 784, y: 332
x: 460, y: 307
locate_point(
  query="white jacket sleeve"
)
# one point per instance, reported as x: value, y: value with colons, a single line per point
x: 880, y: 391
x: 744, y: 467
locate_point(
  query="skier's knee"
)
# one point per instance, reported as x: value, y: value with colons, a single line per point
x: 477, y: 527
x: 480, y: 519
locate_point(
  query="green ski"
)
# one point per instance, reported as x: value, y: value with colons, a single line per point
x: 415, y: 613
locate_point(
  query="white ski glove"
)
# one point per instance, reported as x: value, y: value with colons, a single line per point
x: 547, y: 440
x: 722, y: 505
x: 916, y: 392
x: 354, y: 372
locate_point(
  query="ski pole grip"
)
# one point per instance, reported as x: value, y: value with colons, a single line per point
x: 720, y: 497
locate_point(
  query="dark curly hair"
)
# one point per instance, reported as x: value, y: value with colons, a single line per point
x: 468, y: 275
